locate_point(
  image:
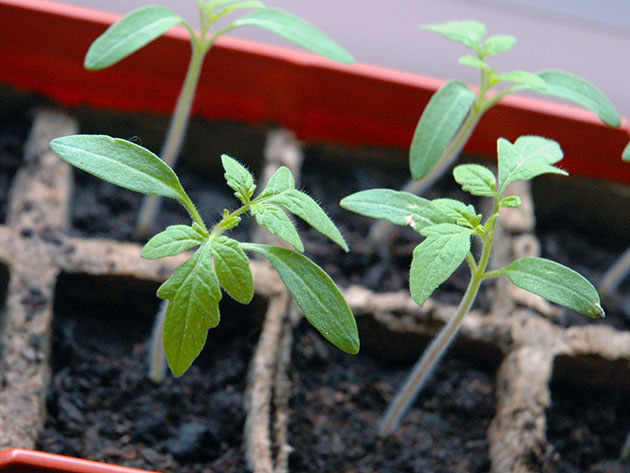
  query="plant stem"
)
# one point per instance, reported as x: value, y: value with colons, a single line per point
x: 175, y: 136
x: 615, y: 274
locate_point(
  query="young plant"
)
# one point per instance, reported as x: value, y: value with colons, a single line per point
x: 143, y: 25
x: 193, y: 290
x: 450, y: 117
x: 449, y: 226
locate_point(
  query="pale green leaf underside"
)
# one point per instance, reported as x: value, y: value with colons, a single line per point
x: 132, y: 32
x: 528, y: 157
x: 436, y: 258
x: 455, y: 210
x: 297, y: 31
x: 281, y: 180
x: 575, y: 89
x: 528, y: 79
x: 302, y: 205
x: 192, y: 310
x: 626, y: 153
x: 469, y: 33
x: 476, y: 179
x: 499, y: 43
x: 120, y: 162
x: 277, y: 223
x: 172, y: 241
x: 238, y: 178
x: 315, y: 293
x: 473, y: 61
x: 397, y: 207
x: 437, y: 126
x: 556, y: 283
x: 511, y: 202
x: 232, y: 268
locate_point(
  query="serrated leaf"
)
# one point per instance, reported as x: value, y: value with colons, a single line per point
x: 455, y: 210
x: 498, y: 43
x: 193, y: 293
x: 529, y: 79
x: 467, y: 32
x: 120, y: 162
x: 281, y: 180
x: 297, y: 31
x: 511, y: 202
x: 476, y: 179
x: 528, y: 157
x: 437, y: 126
x: 172, y: 241
x: 436, y: 258
x: 397, y: 207
x: 302, y: 205
x: 232, y: 267
x: 315, y: 293
x: 473, y: 61
x: 277, y: 223
x: 556, y: 283
x: 132, y: 32
x: 581, y: 92
x: 238, y: 178
x: 626, y: 153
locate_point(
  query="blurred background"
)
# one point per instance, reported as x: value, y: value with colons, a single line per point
x: 585, y: 37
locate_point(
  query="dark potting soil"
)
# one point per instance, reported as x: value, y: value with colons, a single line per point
x: 103, y: 210
x: 14, y: 128
x: 102, y: 405
x: 339, y: 399
x: 587, y: 428
x: 381, y: 271
x: 591, y: 257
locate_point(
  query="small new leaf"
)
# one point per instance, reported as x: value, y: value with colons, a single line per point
x: 132, y: 32
x: 469, y: 33
x: 436, y: 258
x: 281, y: 180
x: 277, y: 223
x: 172, y: 241
x: 511, y: 202
x: 302, y: 205
x: 399, y: 208
x: 476, y: 179
x: 315, y: 293
x: 556, y: 283
x: 496, y: 44
x: 439, y: 122
x: 575, y: 89
x: 473, y: 61
x: 238, y: 178
x: 297, y: 31
x: 529, y: 79
x: 528, y: 157
x: 232, y: 267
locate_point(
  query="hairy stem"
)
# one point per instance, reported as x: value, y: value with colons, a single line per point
x: 615, y: 274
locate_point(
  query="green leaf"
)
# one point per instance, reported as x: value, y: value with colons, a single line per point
x: 282, y: 180
x: 498, y: 43
x: 120, y: 162
x: 315, y: 293
x: 297, y: 31
x: 132, y: 32
x: 397, y: 207
x: 528, y: 157
x: 529, y: 79
x: 575, y: 89
x: 232, y: 267
x: 556, y: 283
x: 302, y: 205
x: 626, y: 153
x: 473, y: 61
x: 193, y: 293
x: 437, y: 126
x: 457, y: 212
x: 436, y: 258
x: 239, y: 6
x: 172, y: 241
x: 238, y: 178
x: 476, y: 179
x: 277, y: 223
x: 511, y: 202
x: 469, y: 33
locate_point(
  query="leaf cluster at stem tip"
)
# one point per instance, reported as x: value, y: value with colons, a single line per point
x: 194, y: 290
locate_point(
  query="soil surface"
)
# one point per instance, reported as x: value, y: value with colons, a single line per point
x: 14, y: 128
